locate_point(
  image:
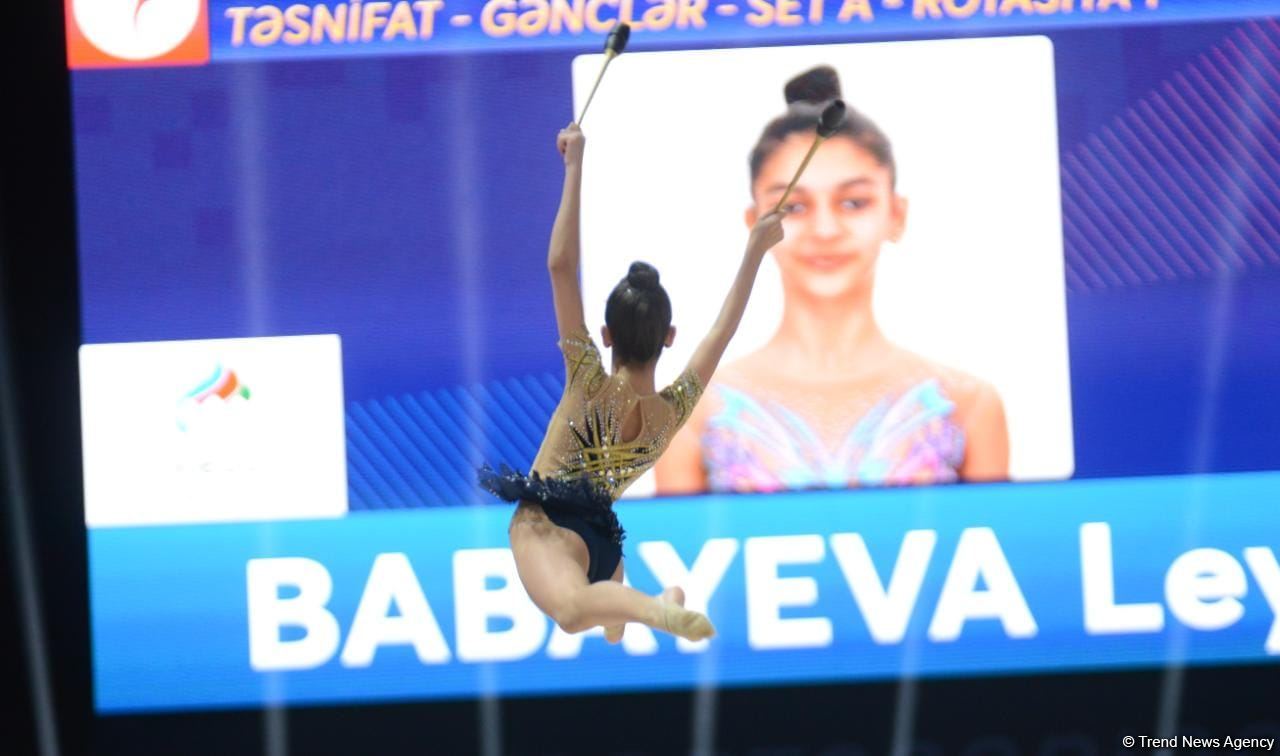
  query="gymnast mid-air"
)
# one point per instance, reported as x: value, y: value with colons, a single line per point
x: 611, y: 425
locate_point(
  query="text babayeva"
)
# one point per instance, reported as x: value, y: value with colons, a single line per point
x: 1202, y: 590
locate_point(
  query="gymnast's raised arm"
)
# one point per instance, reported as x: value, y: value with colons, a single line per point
x: 764, y: 234
x: 564, y: 253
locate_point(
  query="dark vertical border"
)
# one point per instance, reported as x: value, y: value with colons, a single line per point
x: 38, y: 294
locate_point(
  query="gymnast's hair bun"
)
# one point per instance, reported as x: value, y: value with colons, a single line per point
x: 642, y: 275
x: 817, y: 85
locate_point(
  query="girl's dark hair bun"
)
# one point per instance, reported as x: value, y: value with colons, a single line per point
x: 642, y: 275
x: 638, y: 314
x: 817, y: 85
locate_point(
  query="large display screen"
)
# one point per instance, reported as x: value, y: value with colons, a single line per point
x: 313, y: 245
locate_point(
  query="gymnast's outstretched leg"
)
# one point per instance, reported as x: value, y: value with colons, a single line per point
x: 672, y: 595
x: 552, y: 563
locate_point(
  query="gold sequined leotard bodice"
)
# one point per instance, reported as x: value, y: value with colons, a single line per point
x: 584, y: 438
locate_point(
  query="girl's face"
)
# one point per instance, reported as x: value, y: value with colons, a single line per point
x: 838, y: 215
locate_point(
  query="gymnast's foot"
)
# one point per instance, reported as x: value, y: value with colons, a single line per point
x: 685, y: 623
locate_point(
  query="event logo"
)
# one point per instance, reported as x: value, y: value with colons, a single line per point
x: 217, y: 426
x: 221, y: 388
x: 108, y: 33
x: 217, y: 430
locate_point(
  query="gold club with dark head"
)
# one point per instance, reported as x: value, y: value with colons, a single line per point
x: 614, y: 44
x: 830, y: 120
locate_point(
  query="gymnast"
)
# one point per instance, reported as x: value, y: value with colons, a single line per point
x: 609, y: 427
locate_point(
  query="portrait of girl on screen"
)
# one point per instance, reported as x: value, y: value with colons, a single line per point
x: 829, y: 401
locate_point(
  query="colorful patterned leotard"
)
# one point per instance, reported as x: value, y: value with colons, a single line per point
x: 908, y: 435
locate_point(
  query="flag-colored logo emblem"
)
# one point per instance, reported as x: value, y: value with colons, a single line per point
x: 221, y: 387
